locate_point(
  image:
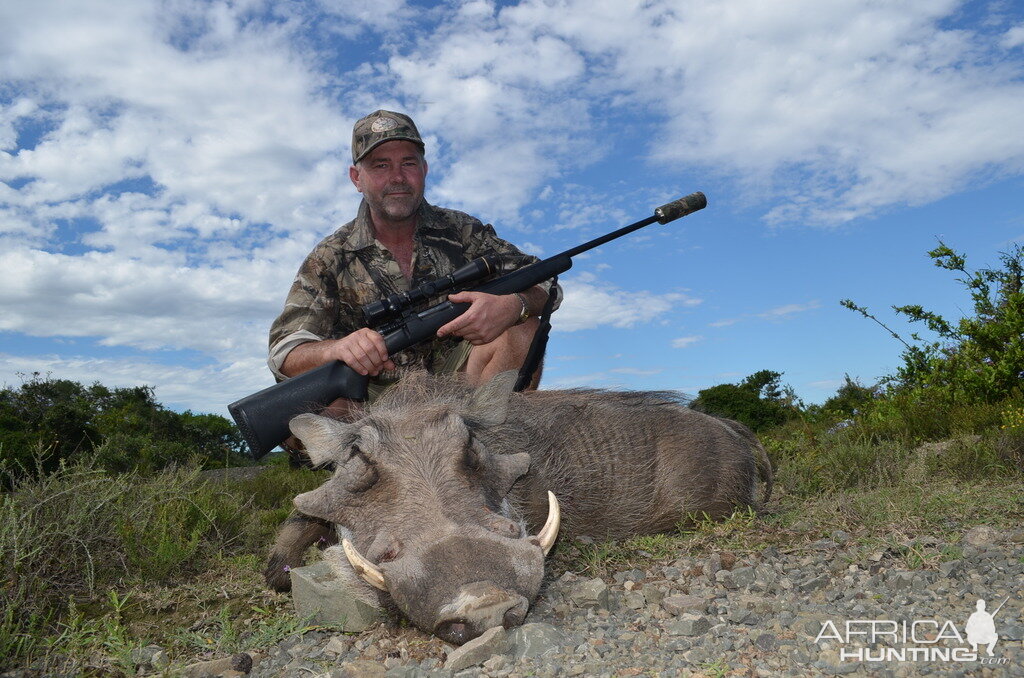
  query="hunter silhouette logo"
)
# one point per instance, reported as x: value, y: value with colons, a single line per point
x: 881, y: 640
x: 981, y: 627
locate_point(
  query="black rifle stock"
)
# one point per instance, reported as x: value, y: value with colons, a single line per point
x: 263, y: 417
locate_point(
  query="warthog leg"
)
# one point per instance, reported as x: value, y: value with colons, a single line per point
x: 295, y: 535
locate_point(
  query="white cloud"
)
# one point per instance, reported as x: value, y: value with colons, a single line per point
x: 1013, y: 37
x: 786, y: 310
x: 683, y: 342
x: 592, y: 304
x: 202, y: 389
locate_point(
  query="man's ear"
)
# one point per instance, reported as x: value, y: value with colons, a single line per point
x: 353, y: 174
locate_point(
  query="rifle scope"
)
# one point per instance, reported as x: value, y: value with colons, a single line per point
x: 378, y: 312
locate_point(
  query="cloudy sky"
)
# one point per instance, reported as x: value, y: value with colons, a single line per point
x: 165, y: 166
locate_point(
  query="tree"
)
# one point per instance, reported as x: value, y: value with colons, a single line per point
x: 759, y: 401
x: 47, y: 420
x: 979, y: 358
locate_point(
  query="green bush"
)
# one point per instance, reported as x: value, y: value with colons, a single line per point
x: 759, y: 401
x: 48, y: 420
x: 978, y: 359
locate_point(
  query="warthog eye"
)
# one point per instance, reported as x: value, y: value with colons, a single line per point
x: 471, y: 456
x: 360, y: 471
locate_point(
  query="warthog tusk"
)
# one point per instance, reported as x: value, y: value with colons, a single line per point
x: 363, y: 567
x: 549, y: 532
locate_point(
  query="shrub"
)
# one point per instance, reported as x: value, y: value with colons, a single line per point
x: 48, y: 420
x: 979, y: 358
x: 759, y: 401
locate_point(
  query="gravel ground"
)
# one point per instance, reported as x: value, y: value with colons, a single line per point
x: 717, y: 614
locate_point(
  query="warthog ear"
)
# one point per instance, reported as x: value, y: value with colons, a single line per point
x: 510, y: 468
x: 316, y: 503
x: 489, y: 403
x: 324, y: 438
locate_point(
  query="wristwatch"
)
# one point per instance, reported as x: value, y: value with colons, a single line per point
x: 525, y: 313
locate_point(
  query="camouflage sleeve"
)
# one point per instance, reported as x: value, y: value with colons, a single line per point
x: 310, y: 310
x: 482, y: 240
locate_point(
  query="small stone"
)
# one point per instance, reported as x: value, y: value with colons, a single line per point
x: 319, y: 595
x: 981, y: 536
x: 359, y: 669
x: 207, y: 668
x: 951, y: 568
x: 713, y: 565
x: 495, y: 663
x: 160, y: 660
x: 682, y: 603
x: 493, y: 641
x: 535, y: 640
x: 338, y: 645
x: 743, y: 577
x: 590, y: 593
x: 635, y: 600
x: 814, y: 584
x: 1011, y: 632
x: 766, y: 642
x: 241, y: 662
x: 689, y: 625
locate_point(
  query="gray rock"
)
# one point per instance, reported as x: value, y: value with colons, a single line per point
x: 813, y: 584
x: 712, y: 566
x: 635, y: 600
x: 535, y: 640
x: 743, y: 577
x: 689, y: 625
x: 981, y: 536
x: 681, y: 603
x: 1010, y: 631
x: 208, y: 668
x: 592, y: 593
x: 338, y: 645
x: 493, y: 641
x: 406, y: 672
x: 319, y: 595
x: 359, y: 669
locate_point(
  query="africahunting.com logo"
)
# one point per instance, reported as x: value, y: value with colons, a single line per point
x: 917, y: 640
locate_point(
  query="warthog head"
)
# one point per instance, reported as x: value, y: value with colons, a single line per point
x: 424, y: 513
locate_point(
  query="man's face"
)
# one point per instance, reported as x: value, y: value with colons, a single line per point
x: 391, y: 178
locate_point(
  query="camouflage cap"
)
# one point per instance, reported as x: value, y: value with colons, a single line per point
x: 381, y: 126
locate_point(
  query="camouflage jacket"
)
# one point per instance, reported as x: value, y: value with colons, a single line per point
x: 350, y: 268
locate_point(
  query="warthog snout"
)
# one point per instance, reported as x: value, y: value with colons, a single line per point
x: 476, y: 608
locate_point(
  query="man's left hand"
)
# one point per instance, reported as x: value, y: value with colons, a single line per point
x: 487, y: 317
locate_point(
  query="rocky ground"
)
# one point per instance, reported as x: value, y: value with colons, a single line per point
x: 716, y: 615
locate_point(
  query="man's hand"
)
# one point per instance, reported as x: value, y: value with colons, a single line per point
x: 364, y: 351
x: 487, y: 317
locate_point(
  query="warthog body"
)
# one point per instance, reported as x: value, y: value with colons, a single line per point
x: 441, y: 487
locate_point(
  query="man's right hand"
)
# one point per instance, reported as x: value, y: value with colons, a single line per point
x: 364, y: 351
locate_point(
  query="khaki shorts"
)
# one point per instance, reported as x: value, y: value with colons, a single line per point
x: 454, y: 362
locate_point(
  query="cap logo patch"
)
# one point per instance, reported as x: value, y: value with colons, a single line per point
x: 383, y: 125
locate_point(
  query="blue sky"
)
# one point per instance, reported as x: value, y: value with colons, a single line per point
x: 165, y: 166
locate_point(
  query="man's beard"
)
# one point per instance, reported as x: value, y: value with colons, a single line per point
x: 396, y: 207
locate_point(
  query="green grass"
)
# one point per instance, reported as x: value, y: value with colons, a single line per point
x: 84, y: 548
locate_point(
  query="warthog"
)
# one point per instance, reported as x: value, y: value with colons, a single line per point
x: 444, y: 496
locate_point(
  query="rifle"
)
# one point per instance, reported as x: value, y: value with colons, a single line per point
x: 263, y: 417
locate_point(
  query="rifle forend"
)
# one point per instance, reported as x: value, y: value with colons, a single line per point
x: 263, y: 417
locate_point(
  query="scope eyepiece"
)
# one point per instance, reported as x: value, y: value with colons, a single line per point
x: 378, y: 312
